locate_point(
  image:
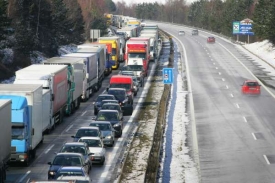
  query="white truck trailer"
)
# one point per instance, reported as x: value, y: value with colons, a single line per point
x: 76, y: 75
x: 5, y: 137
x: 91, y: 82
x: 53, y: 78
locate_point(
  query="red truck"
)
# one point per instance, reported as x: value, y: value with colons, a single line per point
x: 137, y: 48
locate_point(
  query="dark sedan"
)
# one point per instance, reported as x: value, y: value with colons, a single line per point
x: 113, y: 117
x: 66, y: 159
x: 98, y: 102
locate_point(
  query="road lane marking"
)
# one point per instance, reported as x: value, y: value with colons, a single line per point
x: 226, y: 87
x: 83, y: 113
x: 214, y: 63
x: 217, y: 68
x: 267, y: 161
x: 69, y: 128
x: 237, y: 105
x: 49, y: 149
x: 223, y: 79
x: 232, y: 95
x: 254, y: 136
x: 220, y: 73
x: 24, y: 176
x: 244, y: 118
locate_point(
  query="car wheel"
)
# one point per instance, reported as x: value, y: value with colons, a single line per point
x: 103, y: 161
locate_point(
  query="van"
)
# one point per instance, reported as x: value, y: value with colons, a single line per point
x: 122, y: 81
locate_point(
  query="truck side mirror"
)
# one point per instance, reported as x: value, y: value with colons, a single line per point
x: 52, y: 97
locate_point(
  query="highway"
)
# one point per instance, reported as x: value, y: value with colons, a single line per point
x: 53, y: 142
x: 234, y: 133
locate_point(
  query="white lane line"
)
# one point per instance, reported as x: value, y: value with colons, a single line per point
x: 244, y: 118
x: 223, y: 79
x: 220, y: 73
x: 214, y: 63
x: 69, y: 128
x: 254, y: 136
x: 226, y: 87
x: 24, y: 176
x: 49, y: 149
x: 83, y: 113
x: 231, y: 95
x: 217, y: 68
x: 237, y: 105
x: 267, y: 161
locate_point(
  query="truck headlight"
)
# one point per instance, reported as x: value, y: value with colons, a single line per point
x: 108, y: 137
x: 21, y: 156
x: 52, y: 173
x: 116, y: 125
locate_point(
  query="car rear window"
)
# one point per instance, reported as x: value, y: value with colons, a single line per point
x: 252, y: 84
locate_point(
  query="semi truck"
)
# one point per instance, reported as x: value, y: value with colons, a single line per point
x: 153, y: 45
x: 75, y: 77
x: 115, y: 41
x: 53, y: 78
x: 104, y: 50
x: 91, y: 82
x: 5, y: 137
x: 26, y: 120
x: 137, y: 49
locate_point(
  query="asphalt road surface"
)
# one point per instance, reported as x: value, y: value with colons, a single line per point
x: 235, y: 133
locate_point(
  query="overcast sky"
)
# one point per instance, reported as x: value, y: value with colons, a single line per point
x: 149, y: 1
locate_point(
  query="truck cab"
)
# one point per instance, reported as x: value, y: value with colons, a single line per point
x: 121, y: 81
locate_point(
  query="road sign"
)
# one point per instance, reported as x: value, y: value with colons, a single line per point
x: 242, y: 28
x: 167, y: 75
x: 236, y: 27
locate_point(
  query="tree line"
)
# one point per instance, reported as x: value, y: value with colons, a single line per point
x: 31, y: 26
x: 213, y: 15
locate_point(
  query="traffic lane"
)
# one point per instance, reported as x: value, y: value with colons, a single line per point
x: 211, y: 93
x: 16, y: 172
x: 38, y: 169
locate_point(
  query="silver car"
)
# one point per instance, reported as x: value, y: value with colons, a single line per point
x: 107, y: 132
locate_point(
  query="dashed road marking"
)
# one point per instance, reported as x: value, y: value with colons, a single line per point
x: 49, y: 149
x: 231, y: 95
x: 266, y: 159
x: 254, y: 136
x: 24, y: 176
x: 244, y: 118
x: 69, y: 128
x: 83, y: 113
x: 237, y: 105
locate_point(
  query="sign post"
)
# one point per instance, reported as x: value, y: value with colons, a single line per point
x: 167, y: 75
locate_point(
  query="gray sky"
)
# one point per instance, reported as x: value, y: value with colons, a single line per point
x: 148, y: 1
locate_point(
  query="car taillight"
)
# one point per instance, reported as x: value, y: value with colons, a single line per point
x: 92, y: 158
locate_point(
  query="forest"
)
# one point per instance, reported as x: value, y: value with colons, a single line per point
x: 28, y: 27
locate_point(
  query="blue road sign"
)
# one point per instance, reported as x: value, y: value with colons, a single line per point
x: 242, y: 28
x: 167, y: 75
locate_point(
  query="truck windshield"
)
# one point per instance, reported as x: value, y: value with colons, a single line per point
x: 151, y: 48
x: 17, y: 133
x: 137, y: 55
x: 135, y: 67
x: 120, y: 85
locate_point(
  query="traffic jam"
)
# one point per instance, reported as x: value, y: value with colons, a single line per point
x: 107, y: 75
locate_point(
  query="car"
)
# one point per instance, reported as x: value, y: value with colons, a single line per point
x: 78, y: 147
x: 113, y: 106
x: 66, y: 159
x: 195, y: 32
x: 96, y: 147
x: 181, y: 32
x: 113, y: 117
x: 251, y: 87
x: 107, y: 131
x: 138, y: 69
x: 125, y: 101
x: 70, y: 171
x: 97, y: 104
x: 87, y: 131
x: 211, y: 39
x: 133, y: 74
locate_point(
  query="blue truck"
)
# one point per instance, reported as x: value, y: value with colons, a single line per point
x: 26, y: 119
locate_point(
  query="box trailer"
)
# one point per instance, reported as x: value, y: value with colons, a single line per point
x: 26, y: 122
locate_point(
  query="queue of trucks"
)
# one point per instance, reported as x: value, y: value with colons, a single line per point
x: 43, y: 94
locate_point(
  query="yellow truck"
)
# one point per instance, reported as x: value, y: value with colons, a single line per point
x: 115, y: 41
x: 109, y: 18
